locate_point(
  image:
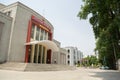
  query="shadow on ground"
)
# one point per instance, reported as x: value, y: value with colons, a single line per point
x: 107, y: 75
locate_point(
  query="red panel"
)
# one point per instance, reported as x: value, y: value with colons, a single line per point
x: 28, y: 40
x: 38, y: 22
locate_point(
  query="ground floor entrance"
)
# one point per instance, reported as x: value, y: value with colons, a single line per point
x: 39, y: 54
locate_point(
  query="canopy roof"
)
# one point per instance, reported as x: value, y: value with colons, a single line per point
x: 47, y: 43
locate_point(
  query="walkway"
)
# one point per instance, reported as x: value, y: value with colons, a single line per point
x: 79, y: 74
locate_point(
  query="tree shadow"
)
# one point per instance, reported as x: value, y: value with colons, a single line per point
x: 107, y: 74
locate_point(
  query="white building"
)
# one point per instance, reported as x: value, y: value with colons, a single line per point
x: 74, y: 56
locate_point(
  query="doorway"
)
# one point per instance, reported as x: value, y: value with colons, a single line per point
x: 48, y: 57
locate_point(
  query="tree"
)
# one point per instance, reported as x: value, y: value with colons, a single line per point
x: 105, y: 20
x: 90, y: 60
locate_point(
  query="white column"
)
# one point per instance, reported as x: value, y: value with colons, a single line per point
x: 32, y: 54
x: 45, y: 55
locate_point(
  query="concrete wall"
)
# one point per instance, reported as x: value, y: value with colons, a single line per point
x: 63, y: 56
x: 2, y: 6
x: 5, y: 29
x: 13, y: 9
x: 55, y: 58
x: 56, y: 55
x: 60, y: 56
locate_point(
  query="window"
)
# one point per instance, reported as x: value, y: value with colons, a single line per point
x: 41, y: 36
x: 32, y: 32
x: 68, y: 56
x: 8, y: 13
x: 68, y: 62
x: 37, y: 33
x: 68, y: 51
x: 74, y: 56
x: 45, y: 35
x: 74, y: 51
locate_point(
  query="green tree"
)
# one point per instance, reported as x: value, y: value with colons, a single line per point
x: 90, y: 60
x: 105, y: 20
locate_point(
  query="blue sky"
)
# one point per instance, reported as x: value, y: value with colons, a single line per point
x: 68, y: 28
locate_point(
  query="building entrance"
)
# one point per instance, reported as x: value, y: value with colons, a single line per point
x: 39, y: 54
x: 48, y: 56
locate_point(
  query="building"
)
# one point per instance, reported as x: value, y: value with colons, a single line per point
x: 25, y: 35
x: 74, y: 56
x: 5, y: 27
x: 60, y: 56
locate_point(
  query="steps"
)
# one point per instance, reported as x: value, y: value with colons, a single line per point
x: 13, y: 66
x: 47, y: 67
x: 35, y: 67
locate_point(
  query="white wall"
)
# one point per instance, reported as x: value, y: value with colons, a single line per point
x: 5, y: 29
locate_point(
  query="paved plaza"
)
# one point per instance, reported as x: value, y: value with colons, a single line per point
x: 79, y: 74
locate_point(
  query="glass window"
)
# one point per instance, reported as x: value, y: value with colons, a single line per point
x: 68, y: 62
x: 46, y: 35
x: 37, y: 33
x: 41, y: 36
x: 32, y: 31
x: 68, y: 51
x: 68, y: 56
x: 8, y: 13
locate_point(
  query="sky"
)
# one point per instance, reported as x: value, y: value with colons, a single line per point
x: 68, y: 28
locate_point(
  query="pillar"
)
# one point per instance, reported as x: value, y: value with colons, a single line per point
x: 32, y: 54
x: 45, y: 57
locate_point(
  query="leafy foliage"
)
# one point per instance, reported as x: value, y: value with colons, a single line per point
x: 90, y: 60
x: 105, y: 20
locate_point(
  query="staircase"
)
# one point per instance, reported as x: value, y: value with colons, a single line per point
x: 13, y: 66
x: 35, y: 67
x: 47, y: 67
